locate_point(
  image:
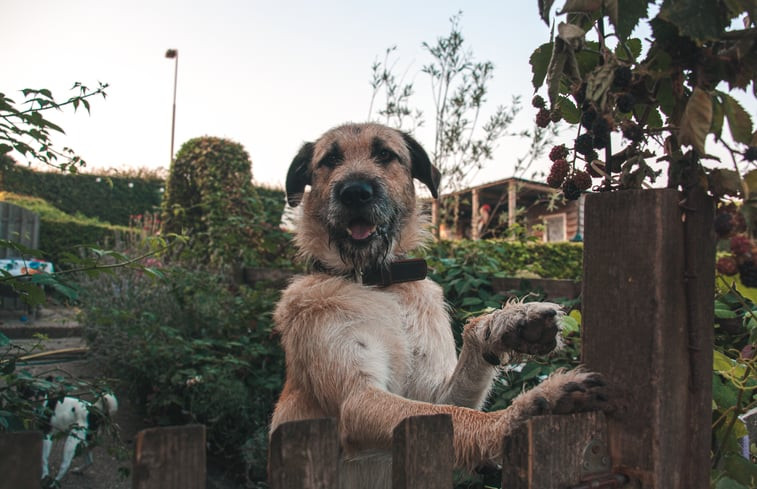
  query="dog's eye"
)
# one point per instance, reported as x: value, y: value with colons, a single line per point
x: 330, y: 160
x: 385, y: 156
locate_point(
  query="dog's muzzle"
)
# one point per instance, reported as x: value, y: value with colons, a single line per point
x: 357, y: 197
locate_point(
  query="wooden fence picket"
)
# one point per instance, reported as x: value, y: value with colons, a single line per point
x: 171, y: 457
x: 20, y: 460
x: 423, y: 455
x: 304, y: 455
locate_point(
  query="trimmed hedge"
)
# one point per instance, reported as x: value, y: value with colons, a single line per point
x: 61, y: 233
x: 512, y: 258
x: 108, y: 198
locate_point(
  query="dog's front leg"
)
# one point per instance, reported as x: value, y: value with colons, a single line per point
x: 487, y: 340
x: 47, y: 445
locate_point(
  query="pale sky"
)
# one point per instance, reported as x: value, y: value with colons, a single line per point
x: 269, y: 75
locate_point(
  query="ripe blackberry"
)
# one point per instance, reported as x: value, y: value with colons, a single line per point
x: 570, y: 190
x: 626, y: 102
x: 741, y: 245
x: 601, y: 131
x: 601, y: 140
x: 538, y: 102
x: 558, y: 152
x: 582, y: 180
x: 633, y: 132
x: 727, y: 265
x: 542, y: 118
x: 621, y: 78
x: 751, y: 153
x: 723, y: 224
x: 748, y: 273
x: 588, y: 117
x: 584, y: 144
x: 557, y: 173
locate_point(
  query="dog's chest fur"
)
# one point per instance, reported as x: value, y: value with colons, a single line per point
x: 399, y: 334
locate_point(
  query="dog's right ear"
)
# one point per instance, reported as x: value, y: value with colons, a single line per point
x: 298, y: 176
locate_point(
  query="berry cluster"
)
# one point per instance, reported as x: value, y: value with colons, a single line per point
x: 572, y: 182
x: 731, y: 225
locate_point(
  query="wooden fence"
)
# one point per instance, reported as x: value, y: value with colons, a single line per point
x: 18, y: 225
x: 647, y: 327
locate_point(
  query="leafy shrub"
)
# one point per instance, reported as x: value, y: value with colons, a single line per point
x: 211, y: 198
x: 191, y: 349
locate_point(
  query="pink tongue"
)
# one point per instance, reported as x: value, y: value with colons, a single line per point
x: 360, y: 231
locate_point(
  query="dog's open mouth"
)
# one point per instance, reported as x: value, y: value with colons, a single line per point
x: 360, y: 230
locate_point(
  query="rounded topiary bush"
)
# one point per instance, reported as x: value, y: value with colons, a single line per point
x: 210, y: 198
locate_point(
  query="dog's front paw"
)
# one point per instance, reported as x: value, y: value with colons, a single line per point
x: 530, y: 328
x: 567, y: 392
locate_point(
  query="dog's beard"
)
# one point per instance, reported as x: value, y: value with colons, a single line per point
x: 371, y: 252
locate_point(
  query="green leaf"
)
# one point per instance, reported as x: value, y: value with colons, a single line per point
x: 696, y: 120
x: 724, y: 182
x: 740, y: 469
x: 632, y: 46
x: 728, y: 483
x: 718, y: 114
x: 739, y: 121
x: 569, y: 111
x: 701, y: 20
x: 544, y: 7
x: 539, y: 63
x: 631, y: 12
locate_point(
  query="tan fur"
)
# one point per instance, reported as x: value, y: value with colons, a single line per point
x: 372, y: 356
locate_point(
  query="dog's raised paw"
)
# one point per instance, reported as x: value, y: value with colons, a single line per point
x: 530, y: 328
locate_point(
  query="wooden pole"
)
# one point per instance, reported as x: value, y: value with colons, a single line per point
x: 647, y: 326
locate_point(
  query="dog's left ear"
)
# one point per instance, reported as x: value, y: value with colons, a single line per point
x: 422, y: 169
x: 298, y: 175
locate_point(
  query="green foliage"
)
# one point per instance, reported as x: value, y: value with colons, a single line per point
x: 210, y: 197
x: 191, y: 348
x: 109, y: 198
x: 663, y: 91
x: 25, y: 129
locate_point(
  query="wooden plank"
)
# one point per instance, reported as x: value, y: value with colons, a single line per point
x: 20, y: 459
x: 170, y: 458
x: 304, y: 455
x: 636, y: 333
x: 422, y: 453
x: 547, y: 452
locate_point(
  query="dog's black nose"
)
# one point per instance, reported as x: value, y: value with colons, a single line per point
x: 356, y: 193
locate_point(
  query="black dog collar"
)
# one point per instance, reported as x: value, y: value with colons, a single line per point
x: 397, y: 272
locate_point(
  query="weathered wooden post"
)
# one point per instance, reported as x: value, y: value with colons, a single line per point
x: 170, y: 458
x: 304, y: 455
x: 558, y: 452
x: 422, y: 453
x: 20, y: 460
x: 648, y: 288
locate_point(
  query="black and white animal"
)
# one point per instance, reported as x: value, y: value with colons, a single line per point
x: 80, y: 420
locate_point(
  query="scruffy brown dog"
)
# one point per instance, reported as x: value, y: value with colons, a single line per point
x: 368, y: 339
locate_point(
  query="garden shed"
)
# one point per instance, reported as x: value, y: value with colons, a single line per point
x: 488, y: 210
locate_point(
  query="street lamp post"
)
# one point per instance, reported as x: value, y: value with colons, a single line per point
x: 173, y: 53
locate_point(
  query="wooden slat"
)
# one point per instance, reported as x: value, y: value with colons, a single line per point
x: 20, y: 460
x: 422, y: 455
x: 304, y: 455
x: 636, y: 333
x: 547, y: 451
x: 170, y: 458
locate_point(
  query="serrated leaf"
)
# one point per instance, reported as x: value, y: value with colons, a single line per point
x: 724, y: 182
x: 544, y: 7
x: 696, y: 120
x: 611, y: 10
x: 569, y: 111
x: 586, y: 6
x: 632, y: 46
x: 739, y: 121
x: 631, y: 12
x: 540, y: 63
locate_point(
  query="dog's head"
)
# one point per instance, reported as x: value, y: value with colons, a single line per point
x: 361, y: 206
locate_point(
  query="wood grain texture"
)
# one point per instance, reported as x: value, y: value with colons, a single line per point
x: 170, y: 458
